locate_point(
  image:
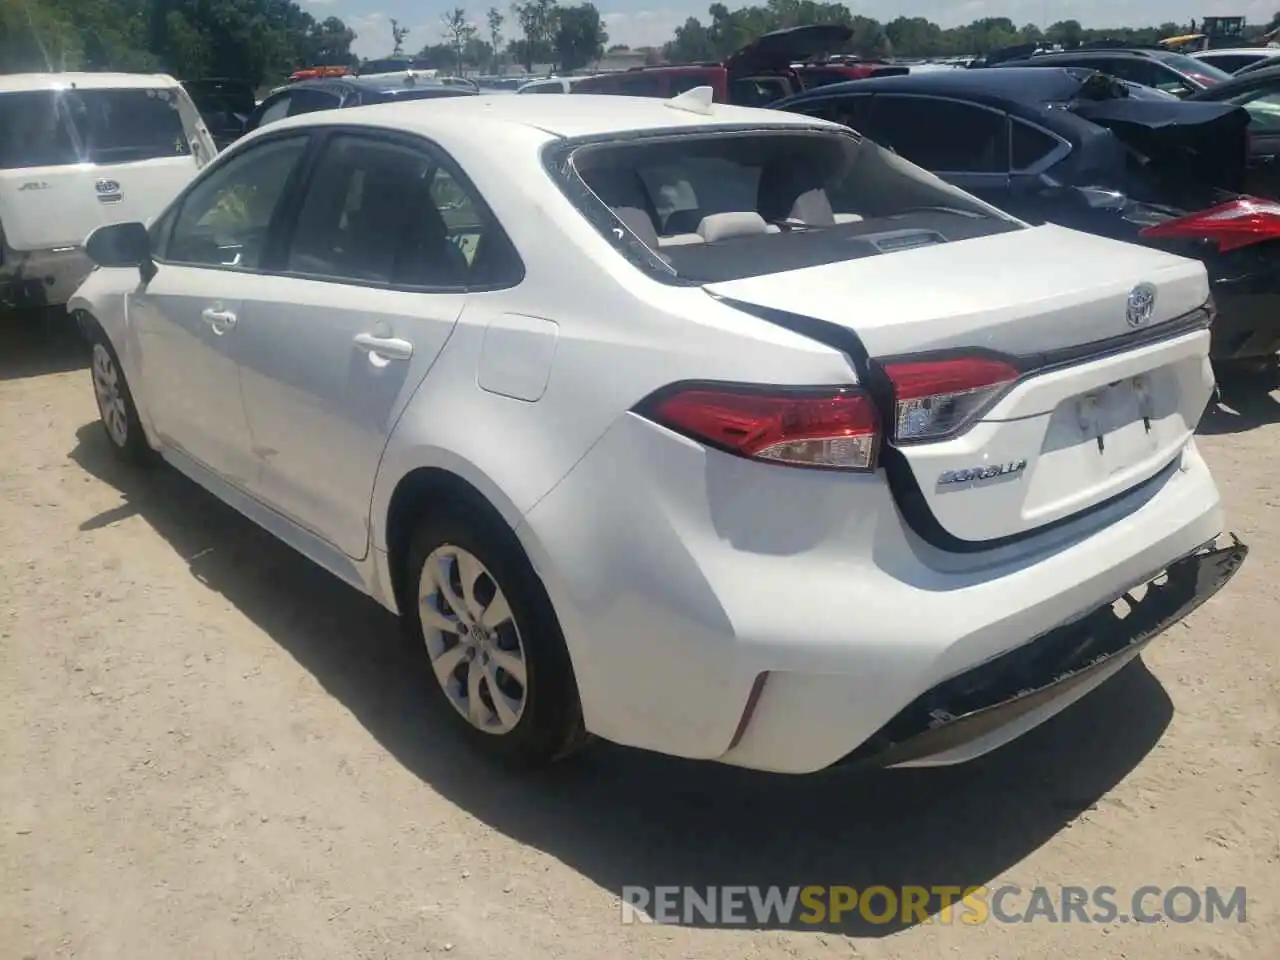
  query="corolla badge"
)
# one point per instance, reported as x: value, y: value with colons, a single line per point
x: 1141, y: 305
x: 989, y: 472
x: 107, y: 186
x: 34, y: 185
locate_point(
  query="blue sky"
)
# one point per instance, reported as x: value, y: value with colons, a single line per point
x: 639, y: 22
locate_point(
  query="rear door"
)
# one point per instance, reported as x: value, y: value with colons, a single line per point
x: 389, y: 238
x: 73, y: 160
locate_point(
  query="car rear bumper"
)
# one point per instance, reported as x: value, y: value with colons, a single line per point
x: 40, y: 278
x: 776, y: 619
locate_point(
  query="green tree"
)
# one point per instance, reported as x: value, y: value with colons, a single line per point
x: 398, y: 36
x: 580, y: 36
x: 494, y: 19
x: 460, y: 32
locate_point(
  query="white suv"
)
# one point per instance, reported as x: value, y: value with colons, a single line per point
x: 79, y: 150
x: 715, y: 431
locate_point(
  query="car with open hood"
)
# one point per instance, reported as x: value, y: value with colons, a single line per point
x: 1076, y: 148
x: 225, y: 105
x: 759, y: 73
x: 714, y: 431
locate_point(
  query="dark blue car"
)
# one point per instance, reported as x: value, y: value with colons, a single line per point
x: 1077, y: 148
x: 332, y: 93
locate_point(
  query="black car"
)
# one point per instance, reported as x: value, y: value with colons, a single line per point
x: 332, y: 93
x: 1258, y: 92
x: 1165, y: 70
x: 224, y: 105
x: 1071, y: 147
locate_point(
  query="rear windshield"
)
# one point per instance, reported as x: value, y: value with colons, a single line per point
x: 724, y: 205
x: 428, y: 93
x: 48, y: 128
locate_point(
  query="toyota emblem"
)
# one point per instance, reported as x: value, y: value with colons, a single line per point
x: 1141, y: 305
x: 107, y: 186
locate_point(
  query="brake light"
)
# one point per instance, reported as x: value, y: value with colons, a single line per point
x: 1240, y: 223
x: 832, y: 427
x: 935, y: 398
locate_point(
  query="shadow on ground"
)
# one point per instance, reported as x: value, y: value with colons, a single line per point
x: 1243, y: 403
x: 624, y: 818
x: 38, y: 342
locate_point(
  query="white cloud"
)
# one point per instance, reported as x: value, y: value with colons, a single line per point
x: 648, y: 28
x: 321, y: 3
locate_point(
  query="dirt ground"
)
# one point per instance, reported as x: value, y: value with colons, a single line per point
x: 212, y: 749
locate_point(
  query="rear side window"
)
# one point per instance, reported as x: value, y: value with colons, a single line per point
x: 758, y: 91
x: 1230, y: 62
x: 46, y: 128
x: 1029, y: 146
x: 722, y: 205
x: 546, y: 88
x: 943, y: 136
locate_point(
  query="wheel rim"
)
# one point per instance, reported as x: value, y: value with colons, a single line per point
x: 106, y: 386
x: 476, y: 651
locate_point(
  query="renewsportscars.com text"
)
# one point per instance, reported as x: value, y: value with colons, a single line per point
x: 1009, y: 903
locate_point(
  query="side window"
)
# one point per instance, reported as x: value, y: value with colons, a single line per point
x: 1230, y: 62
x: 556, y: 87
x: 943, y: 136
x: 851, y: 111
x: 1264, y: 110
x: 382, y: 212
x: 641, y: 84
x: 309, y: 101
x: 1028, y: 146
x: 277, y: 109
x: 224, y: 219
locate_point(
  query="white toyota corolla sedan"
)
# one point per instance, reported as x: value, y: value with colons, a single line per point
x: 713, y: 431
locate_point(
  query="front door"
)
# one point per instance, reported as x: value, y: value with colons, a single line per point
x: 389, y: 236
x: 187, y: 319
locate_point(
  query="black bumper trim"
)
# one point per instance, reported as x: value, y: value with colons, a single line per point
x: 967, y: 707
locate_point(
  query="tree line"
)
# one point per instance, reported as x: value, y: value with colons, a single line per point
x: 262, y: 41
x: 728, y: 30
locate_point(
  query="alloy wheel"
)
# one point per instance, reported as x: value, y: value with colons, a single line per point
x: 111, y: 404
x: 473, y: 641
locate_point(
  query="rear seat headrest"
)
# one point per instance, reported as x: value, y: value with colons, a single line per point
x: 722, y: 226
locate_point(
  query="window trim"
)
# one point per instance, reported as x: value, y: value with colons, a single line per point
x: 982, y: 176
x: 1048, y: 160
x: 276, y: 252
x: 283, y: 205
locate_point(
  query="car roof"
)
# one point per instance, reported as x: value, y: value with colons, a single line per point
x: 1091, y: 53
x: 580, y: 115
x: 18, y: 82
x: 1236, y: 51
x: 1026, y: 85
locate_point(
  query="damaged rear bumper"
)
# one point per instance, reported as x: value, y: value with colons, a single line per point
x: 991, y: 704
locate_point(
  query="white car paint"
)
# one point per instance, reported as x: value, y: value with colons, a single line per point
x: 46, y: 211
x: 682, y: 575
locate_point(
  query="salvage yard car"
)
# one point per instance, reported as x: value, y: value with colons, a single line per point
x: 79, y: 150
x: 1074, y: 147
x: 744, y: 489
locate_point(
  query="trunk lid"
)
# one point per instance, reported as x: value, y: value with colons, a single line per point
x: 781, y: 48
x: 1094, y: 415
x: 74, y: 159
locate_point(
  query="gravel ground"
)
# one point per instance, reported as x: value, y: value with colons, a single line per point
x: 212, y: 749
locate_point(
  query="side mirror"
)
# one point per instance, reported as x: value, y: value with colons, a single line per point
x: 122, y: 245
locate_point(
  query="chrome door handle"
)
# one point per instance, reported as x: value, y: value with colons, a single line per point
x: 386, y: 348
x: 220, y: 320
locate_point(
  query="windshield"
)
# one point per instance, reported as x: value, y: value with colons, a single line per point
x: 47, y: 128
x: 725, y: 205
x: 1184, y: 64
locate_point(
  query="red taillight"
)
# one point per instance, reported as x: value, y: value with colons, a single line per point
x: 935, y: 398
x: 834, y: 427
x: 1240, y: 223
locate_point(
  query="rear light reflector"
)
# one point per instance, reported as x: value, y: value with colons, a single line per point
x: 935, y: 398
x: 832, y: 427
x: 1240, y: 223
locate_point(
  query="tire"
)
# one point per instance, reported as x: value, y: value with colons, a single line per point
x: 526, y: 725
x: 116, y: 409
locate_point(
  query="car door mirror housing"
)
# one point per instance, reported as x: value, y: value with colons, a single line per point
x: 122, y: 245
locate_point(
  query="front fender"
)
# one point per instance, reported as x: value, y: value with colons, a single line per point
x: 102, y: 300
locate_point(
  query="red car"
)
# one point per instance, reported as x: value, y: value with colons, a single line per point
x: 759, y: 73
